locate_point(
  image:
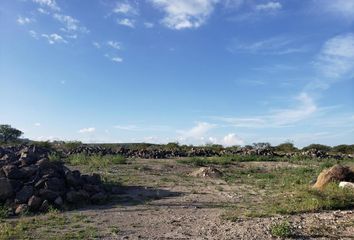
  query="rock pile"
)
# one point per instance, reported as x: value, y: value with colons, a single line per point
x: 161, y: 152
x: 144, y: 153
x: 207, y: 172
x: 30, y: 181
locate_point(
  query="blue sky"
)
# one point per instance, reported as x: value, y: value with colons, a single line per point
x: 194, y: 71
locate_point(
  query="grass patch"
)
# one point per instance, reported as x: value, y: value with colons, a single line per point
x: 4, y: 213
x: 286, y: 191
x: 96, y: 161
x: 53, y: 225
x: 281, y: 230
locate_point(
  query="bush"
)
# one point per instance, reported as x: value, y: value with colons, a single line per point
x: 286, y: 147
x: 318, y: 147
x: 345, y: 149
x: 281, y: 230
x: 46, y: 145
x: 4, y: 213
x: 71, y: 145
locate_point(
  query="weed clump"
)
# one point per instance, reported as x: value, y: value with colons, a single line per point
x: 281, y: 230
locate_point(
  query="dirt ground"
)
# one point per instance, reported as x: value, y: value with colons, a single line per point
x: 160, y: 200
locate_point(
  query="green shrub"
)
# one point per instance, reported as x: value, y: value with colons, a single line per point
x: 319, y: 147
x: 71, y: 145
x: 281, y: 230
x: 287, y: 147
x: 4, y: 213
x: 343, y: 148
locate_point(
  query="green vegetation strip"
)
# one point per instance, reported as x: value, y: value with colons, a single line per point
x: 52, y: 226
x: 286, y: 191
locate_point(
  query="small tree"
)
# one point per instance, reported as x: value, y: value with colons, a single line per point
x: 318, y: 147
x: 286, y: 147
x: 7, y: 133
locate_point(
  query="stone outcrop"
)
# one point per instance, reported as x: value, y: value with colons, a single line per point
x: 336, y: 173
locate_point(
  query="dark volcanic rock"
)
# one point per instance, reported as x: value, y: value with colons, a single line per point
x: 34, y: 203
x: 48, y: 194
x: 24, y: 194
x: 77, y: 196
x: 98, y: 198
x: 13, y: 172
x: 30, y: 181
x: 6, y: 189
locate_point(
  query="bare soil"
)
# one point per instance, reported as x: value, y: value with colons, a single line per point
x: 160, y: 200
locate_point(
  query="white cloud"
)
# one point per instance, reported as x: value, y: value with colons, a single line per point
x: 71, y: 24
x: 33, y: 34
x: 117, y: 59
x: 114, y: 44
x: 133, y: 127
x: 270, y: 6
x: 87, y: 130
x: 96, y: 44
x: 270, y: 46
x: 340, y: 8
x: 47, y: 138
x: 23, y: 20
x: 125, y: 8
x: 54, y: 38
x: 231, y: 140
x: 43, y: 11
x: 305, y: 109
x: 149, y: 24
x: 127, y: 127
x: 126, y: 22
x: 48, y: 3
x: 292, y: 115
x: 37, y: 124
x: 180, y: 14
x: 198, y: 131
x: 114, y: 58
x: 336, y: 58
x: 233, y: 4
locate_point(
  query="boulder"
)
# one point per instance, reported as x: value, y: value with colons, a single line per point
x: 24, y: 194
x: 45, y: 206
x: 47, y: 194
x: 335, y: 173
x: 29, y: 171
x: 80, y: 196
x: 73, y: 179
x: 349, y: 185
x: 13, y: 172
x: 6, y: 189
x: 59, y: 201
x: 21, y: 209
x: 34, y: 203
x: 55, y: 184
x: 209, y: 172
x: 98, y: 198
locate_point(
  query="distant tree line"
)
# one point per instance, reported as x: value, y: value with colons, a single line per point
x: 9, y: 134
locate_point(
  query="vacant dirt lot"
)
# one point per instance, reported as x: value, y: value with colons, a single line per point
x: 159, y: 199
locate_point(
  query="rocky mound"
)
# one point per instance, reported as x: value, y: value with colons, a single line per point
x: 209, y: 172
x: 335, y: 173
x: 30, y: 181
